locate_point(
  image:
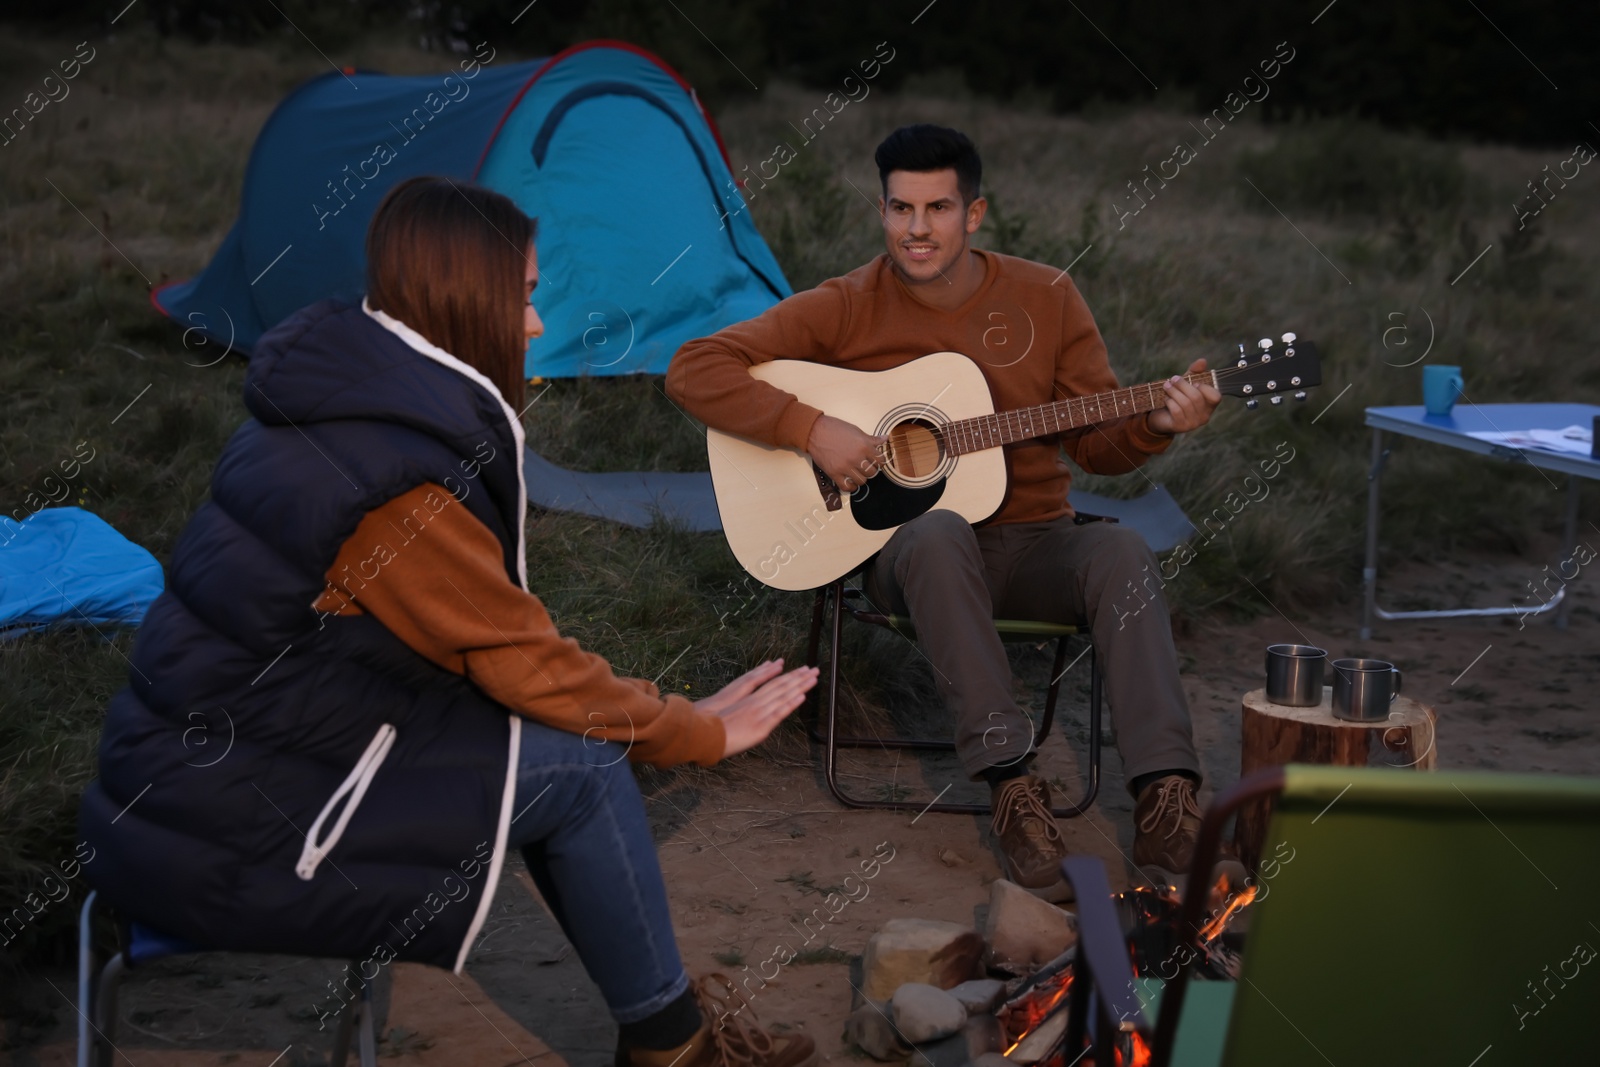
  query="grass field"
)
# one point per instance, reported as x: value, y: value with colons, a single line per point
x: 134, y: 178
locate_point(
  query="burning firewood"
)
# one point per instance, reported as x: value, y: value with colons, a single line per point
x: 1029, y: 1026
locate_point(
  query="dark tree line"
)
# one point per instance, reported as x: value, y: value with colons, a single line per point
x: 1437, y: 66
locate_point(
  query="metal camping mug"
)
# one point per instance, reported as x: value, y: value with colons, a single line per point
x: 1294, y: 675
x: 1363, y: 689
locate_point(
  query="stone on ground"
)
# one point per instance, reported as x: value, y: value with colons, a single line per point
x: 949, y: 1052
x: 941, y: 954
x: 924, y: 1012
x: 1023, y: 931
x: 870, y: 1029
x: 979, y: 994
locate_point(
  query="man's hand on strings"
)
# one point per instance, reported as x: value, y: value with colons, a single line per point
x: 753, y: 704
x: 1189, y: 406
x: 844, y: 453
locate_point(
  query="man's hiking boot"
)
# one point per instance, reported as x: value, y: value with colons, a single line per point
x: 729, y: 1036
x: 1029, y: 843
x: 1166, y: 820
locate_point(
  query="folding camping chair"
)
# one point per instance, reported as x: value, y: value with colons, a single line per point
x: 1417, y: 918
x: 850, y: 601
x: 97, y: 993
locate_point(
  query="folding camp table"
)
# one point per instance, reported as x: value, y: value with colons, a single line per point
x: 1453, y: 430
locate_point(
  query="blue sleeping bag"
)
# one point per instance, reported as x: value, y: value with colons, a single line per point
x: 68, y: 566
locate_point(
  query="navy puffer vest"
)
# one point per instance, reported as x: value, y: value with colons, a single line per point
x: 272, y: 779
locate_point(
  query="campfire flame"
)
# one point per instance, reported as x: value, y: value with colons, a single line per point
x: 1031, y: 1010
x: 1140, y: 1054
x: 1213, y: 929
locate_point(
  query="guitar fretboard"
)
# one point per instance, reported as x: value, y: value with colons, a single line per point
x: 1022, y: 424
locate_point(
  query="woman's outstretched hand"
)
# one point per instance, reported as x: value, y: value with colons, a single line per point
x: 753, y: 704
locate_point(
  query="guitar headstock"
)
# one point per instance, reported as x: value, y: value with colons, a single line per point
x: 1273, y: 370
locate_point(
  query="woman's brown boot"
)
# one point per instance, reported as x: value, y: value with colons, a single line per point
x: 729, y: 1036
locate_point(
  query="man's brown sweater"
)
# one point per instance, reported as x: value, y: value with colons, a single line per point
x: 1026, y: 328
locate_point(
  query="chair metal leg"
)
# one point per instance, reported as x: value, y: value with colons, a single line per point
x: 369, y: 1039
x: 813, y: 645
x: 814, y: 640
x: 97, y: 1007
x: 104, y: 1019
x: 341, y: 1036
x: 1057, y: 669
x: 353, y: 1020
x: 1091, y: 788
x: 358, y: 1020
x: 831, y: 742
x: 85, y: 977
x: 830, y: 748
x: 1097, y: 691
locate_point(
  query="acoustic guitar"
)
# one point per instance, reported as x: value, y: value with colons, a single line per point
x: 792, y: 528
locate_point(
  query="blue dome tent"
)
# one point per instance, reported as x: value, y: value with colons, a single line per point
x: 643, y: 243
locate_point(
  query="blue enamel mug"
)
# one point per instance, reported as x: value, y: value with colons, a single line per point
x: 1441, y: 387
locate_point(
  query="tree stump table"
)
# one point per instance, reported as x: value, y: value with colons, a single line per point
x: 1274, y: 734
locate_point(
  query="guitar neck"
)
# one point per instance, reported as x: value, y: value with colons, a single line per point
x: 1023, y: 424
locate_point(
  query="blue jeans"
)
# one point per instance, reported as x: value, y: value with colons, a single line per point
x: 580, y: 823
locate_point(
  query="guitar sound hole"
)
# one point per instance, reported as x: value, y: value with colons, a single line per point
x: 914, y: 452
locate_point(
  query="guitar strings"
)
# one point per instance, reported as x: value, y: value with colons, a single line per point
x: 1081, y: 403
x: 930, y: 454
x: 1076, y: 409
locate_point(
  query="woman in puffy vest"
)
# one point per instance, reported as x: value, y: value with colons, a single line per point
x: 347, y: 706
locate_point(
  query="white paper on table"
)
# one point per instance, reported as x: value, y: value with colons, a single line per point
x: 1574, y: 439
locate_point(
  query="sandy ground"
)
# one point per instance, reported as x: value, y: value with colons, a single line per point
x: 749, y: 856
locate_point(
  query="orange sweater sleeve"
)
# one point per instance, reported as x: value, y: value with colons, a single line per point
x: 434, y: 575
x: 710, y: 376
x: 1082, y: 369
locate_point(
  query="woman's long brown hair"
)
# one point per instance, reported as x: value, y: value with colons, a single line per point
x: 448, y: 259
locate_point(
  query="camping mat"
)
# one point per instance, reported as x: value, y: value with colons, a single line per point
x: 1155, y: 515
x: 634, y: 498
x: 639, y: 498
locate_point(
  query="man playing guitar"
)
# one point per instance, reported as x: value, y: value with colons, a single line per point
x: 1029, y: 331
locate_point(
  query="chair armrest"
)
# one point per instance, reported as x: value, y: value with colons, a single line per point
x: 1265, y: 782
x: 1102, y: 951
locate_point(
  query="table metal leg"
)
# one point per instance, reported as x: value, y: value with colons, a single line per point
x: 1569, y: 547
x: 1369, y: 571
x: 1369, y: 574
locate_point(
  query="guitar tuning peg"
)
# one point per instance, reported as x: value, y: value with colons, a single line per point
x: 1252, y: 404
x: 1264, y: 344
x: 1288, y: 338
x: 1241, y: 348
x: 1278, y: 399
x: 1301, y: 395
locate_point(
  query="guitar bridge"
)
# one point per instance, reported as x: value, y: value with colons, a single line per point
x: 830, y: 491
